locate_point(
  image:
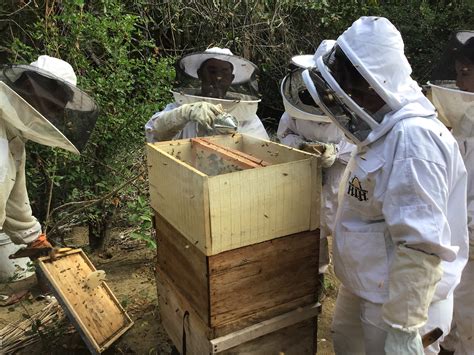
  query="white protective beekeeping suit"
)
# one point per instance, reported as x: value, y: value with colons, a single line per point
x: 400, y: 240
x: 192, y: 111
x: 452, y: 92
x: 20, y: 121
x: 298, y: 128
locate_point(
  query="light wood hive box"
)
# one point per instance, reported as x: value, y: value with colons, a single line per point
x: 218, y: 207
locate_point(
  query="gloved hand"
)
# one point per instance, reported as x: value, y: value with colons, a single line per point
x: 327, y: 151
x: 40, y: 243
x: 413, y: 278
x: 169, y: 123
x: 39, y: 247
x: 399, y: 342
x: 203, y: 113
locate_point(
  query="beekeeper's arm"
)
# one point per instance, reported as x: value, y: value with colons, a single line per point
x: 466, y: 147
x: 414, y: 209
x: 166, y: 124
x: 470, y: 220
x: 344, y: 150
x: 287, y: 134
x: 16, y: 218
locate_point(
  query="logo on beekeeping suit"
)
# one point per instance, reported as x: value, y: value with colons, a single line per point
x: 355, y: 189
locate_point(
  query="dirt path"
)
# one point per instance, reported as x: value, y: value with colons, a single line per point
x: 130, y: 275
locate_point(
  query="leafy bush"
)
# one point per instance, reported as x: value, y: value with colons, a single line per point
x: 270, y: 32
x: 116, y: 61
x: 123, y: 52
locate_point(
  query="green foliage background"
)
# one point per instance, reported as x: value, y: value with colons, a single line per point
x: 123, y: 54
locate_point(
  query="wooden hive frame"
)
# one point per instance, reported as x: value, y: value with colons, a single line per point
x: 243, y: 160
x: 96, y: 313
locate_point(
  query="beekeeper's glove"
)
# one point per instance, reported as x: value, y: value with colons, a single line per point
x: 413, y: 278
x: 399, y: 342
x: 327, y: 151
x: 169, y: 123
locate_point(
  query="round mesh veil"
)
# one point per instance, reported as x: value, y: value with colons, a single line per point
x: 452, y: 84
x: 66, y: 107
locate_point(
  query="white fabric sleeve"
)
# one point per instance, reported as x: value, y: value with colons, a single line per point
x: 415, y: 204
x: 150, y: 131
x: 466, y: 147
x: 16, y: 217
x: 287, y: 132
x: 344, y: 151
x: 415, y: 212
x: 470, y: 223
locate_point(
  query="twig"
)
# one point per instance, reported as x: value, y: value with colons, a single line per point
x: 18, y: 10
x: 50, y: 193
x: 19, y: 334
x: 104, y: 197
x: 72, y: 203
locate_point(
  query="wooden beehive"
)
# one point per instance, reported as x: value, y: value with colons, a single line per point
x: 95, y: 312
x: 220, y: 206
x: 242, y: 301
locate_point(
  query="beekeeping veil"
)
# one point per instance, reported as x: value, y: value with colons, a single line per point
x: 42, y: 101
x: 297, y: 100
x: 218, y: 77
x: 364, y: 77
x: 452, y: 84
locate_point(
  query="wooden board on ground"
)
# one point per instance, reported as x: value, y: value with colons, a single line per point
x: 244, y: 286
x: 239, y: 207
x: 95, y: 312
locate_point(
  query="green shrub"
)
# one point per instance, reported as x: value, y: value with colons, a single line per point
x: 116, y: 61
x: 123, y: 52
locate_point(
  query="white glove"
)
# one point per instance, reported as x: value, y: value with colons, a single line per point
x: 399, y: 342
x: 413, y: 278
x: 203, y: 113
x: 327, y: 152
x: 169, y: 123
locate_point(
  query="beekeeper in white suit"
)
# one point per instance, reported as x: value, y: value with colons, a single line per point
x: 38, y: 102
x: 305, y: 126
x: 209, y: 84
x: 452, y: 91
x: 400, y: 240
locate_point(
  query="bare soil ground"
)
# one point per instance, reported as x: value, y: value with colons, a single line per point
x: 130, y: 274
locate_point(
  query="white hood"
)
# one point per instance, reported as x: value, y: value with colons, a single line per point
x: 375, y: 47
x: 309, y: 60
x: 294, y: 82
